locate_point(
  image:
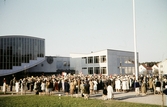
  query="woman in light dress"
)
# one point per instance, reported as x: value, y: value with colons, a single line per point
x: 23, y: 86
x: 43, y: 86
x: 118, y: 85
x: 95, y: 86
x: 4, y: 86
x: 109, y: 91
x: 17, y: 86
x: 124, y: 85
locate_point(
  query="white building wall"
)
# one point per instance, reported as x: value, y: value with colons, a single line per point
x: 77, y: 63
x: 116, y: 62
x: 142, y: 69
x: 61, y: 63
x: 162, y: 67
x: 155, y: 68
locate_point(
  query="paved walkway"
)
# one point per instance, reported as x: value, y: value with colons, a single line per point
x: 147, y: 99
x: 128, y: 97
x: 131, y: 97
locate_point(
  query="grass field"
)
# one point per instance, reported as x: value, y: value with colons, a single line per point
x: 63, y: 101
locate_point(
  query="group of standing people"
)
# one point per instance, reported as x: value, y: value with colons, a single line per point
x: 85, y: 85
x: 70, y: 85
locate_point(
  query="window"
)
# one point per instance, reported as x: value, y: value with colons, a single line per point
x: 17, y: 50
x: 103, y: 59
x: 84, y: 68
x: 103, y: 70
x: 96, y: 59
x: 90, y: 70
x: 90, y: 60
x: 85, y: 58
x: 96, y: 70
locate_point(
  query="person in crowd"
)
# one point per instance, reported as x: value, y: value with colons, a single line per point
x: 79, y: 82
x: 38, y: 88
x: 76, y: 87
x: 99, y: 85
x: 91, y: 86
x: 109, y: 92
x: 150, y: 83
x: 14, y: 83
x: 137, y: 87
x: 95, y: 86
x: 28, y: 83
x: 86, y: 90
x: 113, y: 83
x: 127, y: 83
x: 56, y: 88
x: 53, y: 82
x: 131, y: 83
x: 153, y: 83
x: 62, y: 81
x: 72, y: 88
x: 158, y: 87
x: 35, y: 85
x: 104, y: 96
x: 50, y: 87
x: 4, y: 89
x: 143, y: 87
x: 60, y: 85
x: 11, y: 85
x: 66, y: 87
x: 124, y: 85
x: 23, y: 86
x: 118, y: 85
x: 47, y: 87
x: 17, y: 86
x: 43, y: 87
x: 31, y: 83
x: 165, y: 83
x: 82, y: 88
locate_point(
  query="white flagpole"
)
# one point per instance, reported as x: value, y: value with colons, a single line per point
x: 135, y: 50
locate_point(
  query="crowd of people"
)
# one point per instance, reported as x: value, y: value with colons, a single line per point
x: 85, y: 85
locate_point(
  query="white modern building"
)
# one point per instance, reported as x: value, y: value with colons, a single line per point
x: 162, y: 67
x: 105, y: 62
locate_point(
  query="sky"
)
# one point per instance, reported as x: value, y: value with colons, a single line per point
x: 84, y: 26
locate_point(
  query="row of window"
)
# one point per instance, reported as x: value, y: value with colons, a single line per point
x: 95, y: 59
x: 17, y: 50
x: 23, y: 46
x: 96, y: 70
x: 127, y: 70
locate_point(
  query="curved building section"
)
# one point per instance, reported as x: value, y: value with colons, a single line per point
x: 18, y: 53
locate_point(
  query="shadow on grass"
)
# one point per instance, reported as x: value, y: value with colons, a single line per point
x: 130, y: 96
x: 8, y: 93
x: 126, y: 97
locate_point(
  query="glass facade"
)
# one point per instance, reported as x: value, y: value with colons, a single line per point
x: 15, y: 50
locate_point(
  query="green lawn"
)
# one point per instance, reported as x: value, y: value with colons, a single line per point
x: 54, y: 101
